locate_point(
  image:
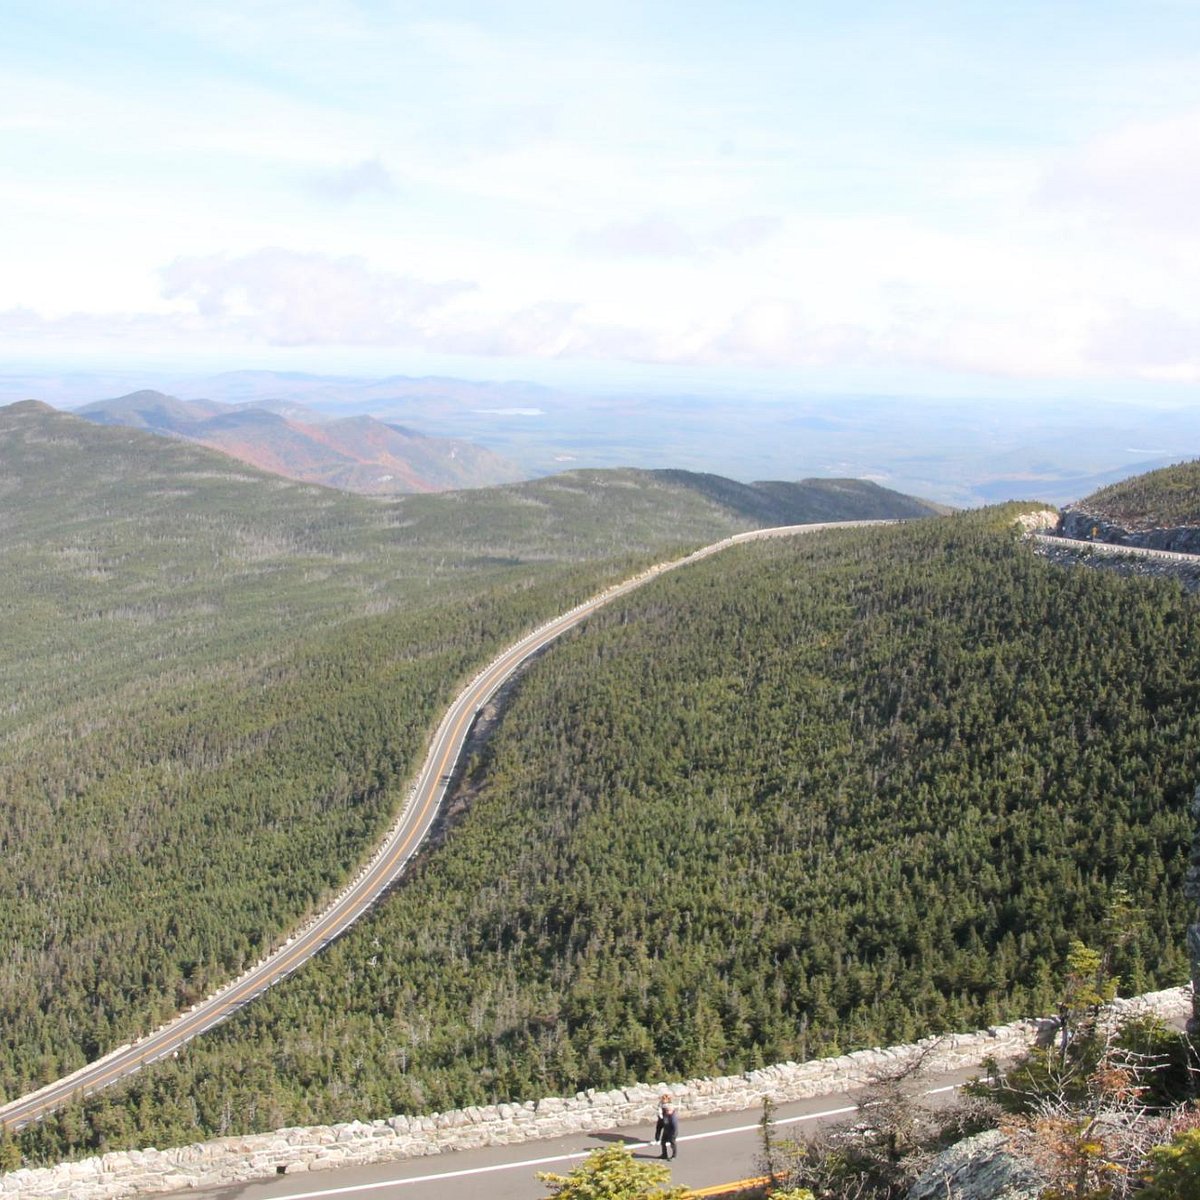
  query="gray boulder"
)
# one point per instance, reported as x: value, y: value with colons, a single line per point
x: 981, y: 1168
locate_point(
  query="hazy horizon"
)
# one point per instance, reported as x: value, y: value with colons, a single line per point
x: 964, y: 455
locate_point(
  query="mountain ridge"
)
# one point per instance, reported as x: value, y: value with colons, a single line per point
x: 1157, y: 510
x: 355, y: 453
x: 1166, y: 496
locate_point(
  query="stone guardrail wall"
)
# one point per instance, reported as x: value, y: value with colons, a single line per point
x: 286, y: 1151
x: 1078, y: 523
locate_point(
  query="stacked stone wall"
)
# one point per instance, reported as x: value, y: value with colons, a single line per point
x: 241, y: 1159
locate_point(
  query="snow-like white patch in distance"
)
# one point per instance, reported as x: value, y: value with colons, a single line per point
x: 512, y: 412
x: 565, y: 457
x: 1140, y: 450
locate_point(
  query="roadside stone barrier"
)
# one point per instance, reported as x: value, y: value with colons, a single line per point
x: 233, y: 1160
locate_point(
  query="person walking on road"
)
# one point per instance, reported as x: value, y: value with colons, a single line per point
x: 664, y: 1102
x: 670, y: 1128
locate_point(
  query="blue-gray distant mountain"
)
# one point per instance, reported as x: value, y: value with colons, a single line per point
x: 356, y: 454
x: 958, y: 451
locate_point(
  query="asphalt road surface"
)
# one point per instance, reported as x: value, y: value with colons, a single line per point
x: 712, y: 1150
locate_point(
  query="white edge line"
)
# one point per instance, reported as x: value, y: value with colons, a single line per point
x: 556, y: 1158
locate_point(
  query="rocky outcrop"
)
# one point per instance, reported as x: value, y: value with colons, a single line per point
x: 286, y: 1151
x: 1090, y: 527
x: 983, y: 1167
x: 1038, y: 521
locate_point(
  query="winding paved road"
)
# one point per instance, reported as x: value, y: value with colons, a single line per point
x: 388, y: 863
x: 397, y: 848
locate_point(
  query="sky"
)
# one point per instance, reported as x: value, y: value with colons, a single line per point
x: 919, y: 198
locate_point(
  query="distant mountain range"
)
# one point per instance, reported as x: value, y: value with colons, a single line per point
x: 961, y: 452
x: 355, y: 453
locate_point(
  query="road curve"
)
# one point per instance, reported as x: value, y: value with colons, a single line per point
x: 386, y: 865
x: 1114, y: 548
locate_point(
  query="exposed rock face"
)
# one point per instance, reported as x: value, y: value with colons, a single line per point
x: 981, y: 1168
x: 1039, y: 521
x: 1077, y: 523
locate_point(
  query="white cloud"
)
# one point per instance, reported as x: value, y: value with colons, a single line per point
x: 1144, y: 174
x: 22, y: 328
x: 1154, y: 343
x: 292, y: 35
x: 782, y: 333
x: 279, y: 298
x: 569, y: 186
x: 649, y: 237
x: 292, y: 299
x: 745, y: 233
x: 659, y: 236
x: 369, y: 177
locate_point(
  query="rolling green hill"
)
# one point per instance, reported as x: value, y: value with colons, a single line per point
x: 1167, y: 497
x: 834, y: 791
x: 216, y: 682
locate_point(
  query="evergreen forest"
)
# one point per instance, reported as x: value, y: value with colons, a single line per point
x: 808, y: 795
x: 217, y: 684
x: 1167, y: 497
